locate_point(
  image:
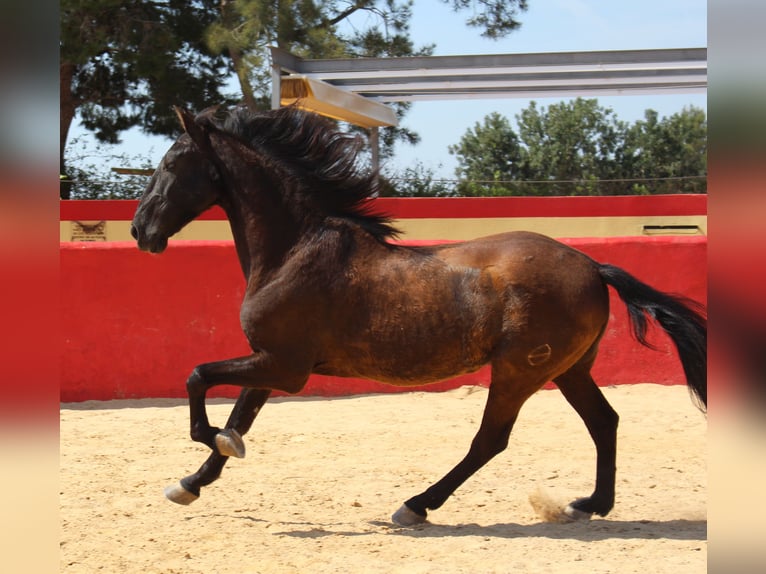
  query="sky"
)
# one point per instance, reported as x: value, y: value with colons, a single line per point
x: 547, y: 26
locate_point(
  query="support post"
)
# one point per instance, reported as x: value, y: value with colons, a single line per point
x: 374, y: 147
x: 276, y: 86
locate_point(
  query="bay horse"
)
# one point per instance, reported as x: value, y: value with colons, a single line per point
x: 327, y: 292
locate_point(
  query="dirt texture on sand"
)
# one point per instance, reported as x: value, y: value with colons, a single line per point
x: 322, y: 477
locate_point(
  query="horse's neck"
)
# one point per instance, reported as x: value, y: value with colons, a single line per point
x: 240, y: 241
x: 262, y: 229
x: 263, y: 233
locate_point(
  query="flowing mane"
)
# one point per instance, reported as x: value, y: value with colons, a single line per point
x: 323, y: 159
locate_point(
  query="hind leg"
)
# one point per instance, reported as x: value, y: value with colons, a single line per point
x: 500, y: 413
x: 240, y: 420
x: 581, y: 391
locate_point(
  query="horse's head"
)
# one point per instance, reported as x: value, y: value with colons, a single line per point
x: 184, y: 185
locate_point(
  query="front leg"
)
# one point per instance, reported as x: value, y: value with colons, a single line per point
x: 257, y: 374
x: 258, y: 371
x: 243, y: 414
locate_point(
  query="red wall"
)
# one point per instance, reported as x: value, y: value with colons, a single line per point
x: 135, y: 324
x: 453, y: 207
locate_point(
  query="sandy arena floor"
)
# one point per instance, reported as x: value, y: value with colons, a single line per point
x: 322, y: 478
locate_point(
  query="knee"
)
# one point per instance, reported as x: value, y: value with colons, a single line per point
x: 605, y: 417
x: 605, y: 427
x: 500, y: 444
x: 195, y: 380
x: 489, y: 447
x: 606, y: 423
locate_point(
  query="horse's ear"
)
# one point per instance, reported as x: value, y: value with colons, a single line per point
x: 191, y: 127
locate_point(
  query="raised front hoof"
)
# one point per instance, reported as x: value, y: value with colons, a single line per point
x: 572, y: 514
x: 178, y: 494
x: 406, y: 517
x: 229, y: 443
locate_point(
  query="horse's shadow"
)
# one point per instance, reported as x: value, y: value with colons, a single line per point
x: 595, y: 530
x: 592, y: 531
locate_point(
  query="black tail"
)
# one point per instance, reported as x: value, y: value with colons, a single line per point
x: 682, y: 319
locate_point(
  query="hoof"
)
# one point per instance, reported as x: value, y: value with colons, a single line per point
x: 178, y: 494
x: 572, y: 514
x: 229, y: 443
x: 406, y: 517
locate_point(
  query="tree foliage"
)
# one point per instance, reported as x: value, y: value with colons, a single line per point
x: 489, y: 156
x: 581, y: 148
x: 669, y: 148
x: 125, y: 64
x: 92, y: 176
x: 416, y: 180
x: 497, y: 18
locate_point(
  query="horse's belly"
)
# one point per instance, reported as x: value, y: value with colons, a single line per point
x: 405, y: 360
x: 397, y: 374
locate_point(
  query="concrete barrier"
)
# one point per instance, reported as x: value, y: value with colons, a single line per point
x: 135, y: 324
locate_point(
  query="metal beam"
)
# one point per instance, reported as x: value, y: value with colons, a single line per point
x: 555, y: 74
x: 323, y: 68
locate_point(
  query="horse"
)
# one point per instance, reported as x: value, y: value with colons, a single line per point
x: 329, y: 291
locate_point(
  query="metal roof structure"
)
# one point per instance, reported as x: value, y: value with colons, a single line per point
x: 536, y: 75
x: 328, y: 100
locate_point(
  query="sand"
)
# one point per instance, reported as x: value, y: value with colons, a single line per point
x: 322, y: 477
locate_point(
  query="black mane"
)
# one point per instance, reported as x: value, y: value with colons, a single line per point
x: 323, y: 158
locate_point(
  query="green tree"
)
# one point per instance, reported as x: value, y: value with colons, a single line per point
x: 489, y: 158
x: 497, y: 18
x: 670, y: 154
x: 417, y: 180
x: 93, y: 177
x: 571, y: 145
x: 125, y: 64
x: 581, y: 148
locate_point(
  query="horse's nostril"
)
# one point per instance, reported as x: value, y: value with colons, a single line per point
x: 134, y: 231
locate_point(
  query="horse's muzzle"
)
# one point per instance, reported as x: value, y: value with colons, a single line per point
x: 148, y: 242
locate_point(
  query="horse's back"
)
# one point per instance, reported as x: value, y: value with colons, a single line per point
x: 511, y: 247
x: 525, y: 258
